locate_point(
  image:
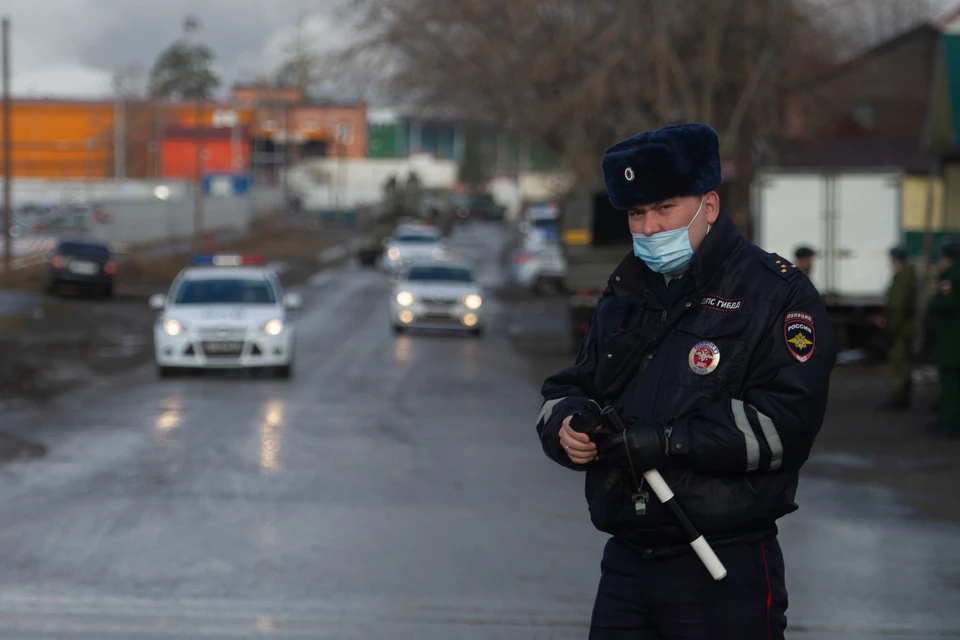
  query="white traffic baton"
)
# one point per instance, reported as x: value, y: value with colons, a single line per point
x: 583, y: 423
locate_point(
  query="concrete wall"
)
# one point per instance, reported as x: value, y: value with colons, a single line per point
x: 154, y: 220
x: 266, y: 199
x: 137, y: 215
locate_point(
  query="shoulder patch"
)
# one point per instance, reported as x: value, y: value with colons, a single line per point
x: 799, y: 334
x: 780, y: 266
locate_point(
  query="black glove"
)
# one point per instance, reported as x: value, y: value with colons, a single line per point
x: 645, y: 443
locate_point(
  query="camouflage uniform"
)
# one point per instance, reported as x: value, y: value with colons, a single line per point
x: 901, y: 327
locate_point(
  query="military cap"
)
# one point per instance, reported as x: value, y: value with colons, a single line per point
x: 899, y: 253
x: 951, y: 249
x: 804, y: 252
x: 674, y: 161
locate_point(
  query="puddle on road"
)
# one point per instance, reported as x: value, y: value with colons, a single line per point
x: 14, y: 448
x: 130, y: 344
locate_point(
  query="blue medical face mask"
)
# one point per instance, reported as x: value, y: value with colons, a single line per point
x: 667, y: 251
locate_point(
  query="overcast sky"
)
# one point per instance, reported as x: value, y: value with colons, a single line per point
x: 71, y: 48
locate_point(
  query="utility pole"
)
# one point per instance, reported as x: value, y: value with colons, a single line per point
x: 190, y: 26
x: 198, y: 178
x: 7, y: 146
x: 119, y: 129
x: 287, y: 138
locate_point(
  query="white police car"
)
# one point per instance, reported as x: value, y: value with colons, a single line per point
x: 437, y: 295
x: 224, y: 311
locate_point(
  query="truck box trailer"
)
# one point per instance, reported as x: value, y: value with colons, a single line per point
x: 851, y: 219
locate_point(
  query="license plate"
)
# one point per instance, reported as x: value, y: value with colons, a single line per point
x: 84, y: 268
x: 438, y: 309
x: 222, y: 348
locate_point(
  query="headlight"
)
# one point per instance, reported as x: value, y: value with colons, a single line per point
x: 473, y: 301
x: 437, y: 253
x: 405, y: 298
x: 173, y: 327
x: 393, y: 253
x: 274, y: 327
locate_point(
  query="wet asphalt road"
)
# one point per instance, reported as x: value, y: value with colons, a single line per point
x: 394, y: 488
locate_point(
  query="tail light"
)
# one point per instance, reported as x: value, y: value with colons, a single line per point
x: 110, y: 268
x: 522, y: 258
x: 57, y: 261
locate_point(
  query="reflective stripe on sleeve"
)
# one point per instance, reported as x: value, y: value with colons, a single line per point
x: 773, y: 439
x: 753, y: 447
x: 547, y: 409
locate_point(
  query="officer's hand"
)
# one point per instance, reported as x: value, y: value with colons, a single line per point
x: 577, y: 445
x: 645, y: 443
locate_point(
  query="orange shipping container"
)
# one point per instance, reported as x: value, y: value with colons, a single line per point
x: 56, y: 138
x: 74, y: 138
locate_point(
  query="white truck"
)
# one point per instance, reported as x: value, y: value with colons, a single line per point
x: 851, y: 219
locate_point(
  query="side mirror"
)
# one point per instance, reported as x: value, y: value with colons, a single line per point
x: 292, y: 301
x: 158, y: 301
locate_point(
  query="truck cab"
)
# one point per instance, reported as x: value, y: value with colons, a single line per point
x: 595, y: 238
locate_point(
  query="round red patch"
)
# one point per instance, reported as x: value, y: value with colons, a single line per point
x: 704, y: 358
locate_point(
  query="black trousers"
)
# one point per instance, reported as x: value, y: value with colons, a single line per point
x: 675, y: 598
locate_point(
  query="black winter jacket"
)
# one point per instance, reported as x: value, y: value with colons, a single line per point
x: 739, y: 434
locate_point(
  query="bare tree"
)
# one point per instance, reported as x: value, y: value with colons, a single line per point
x: 578, y: 75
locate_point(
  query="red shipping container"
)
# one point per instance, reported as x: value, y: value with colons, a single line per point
x: 224, y: 151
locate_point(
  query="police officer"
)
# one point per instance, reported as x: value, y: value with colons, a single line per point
x: 803, y: 258
x: 718, y: 356
x: 899, y: 315
x: 944, y: 310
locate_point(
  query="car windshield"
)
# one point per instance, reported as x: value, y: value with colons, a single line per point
x: 442, y: 274
x: 80, y: 249
x: 416, y: 238
x: 226, y: 291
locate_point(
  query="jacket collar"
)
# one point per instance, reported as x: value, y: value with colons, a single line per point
x: 722, y: 242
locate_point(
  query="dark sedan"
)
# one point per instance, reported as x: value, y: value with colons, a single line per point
x: 86, y: 264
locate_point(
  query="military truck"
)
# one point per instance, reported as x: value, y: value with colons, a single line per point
x: 478, y: 206
x: 369, y: 245
x: 399, y: 204
x: 595, y: 239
